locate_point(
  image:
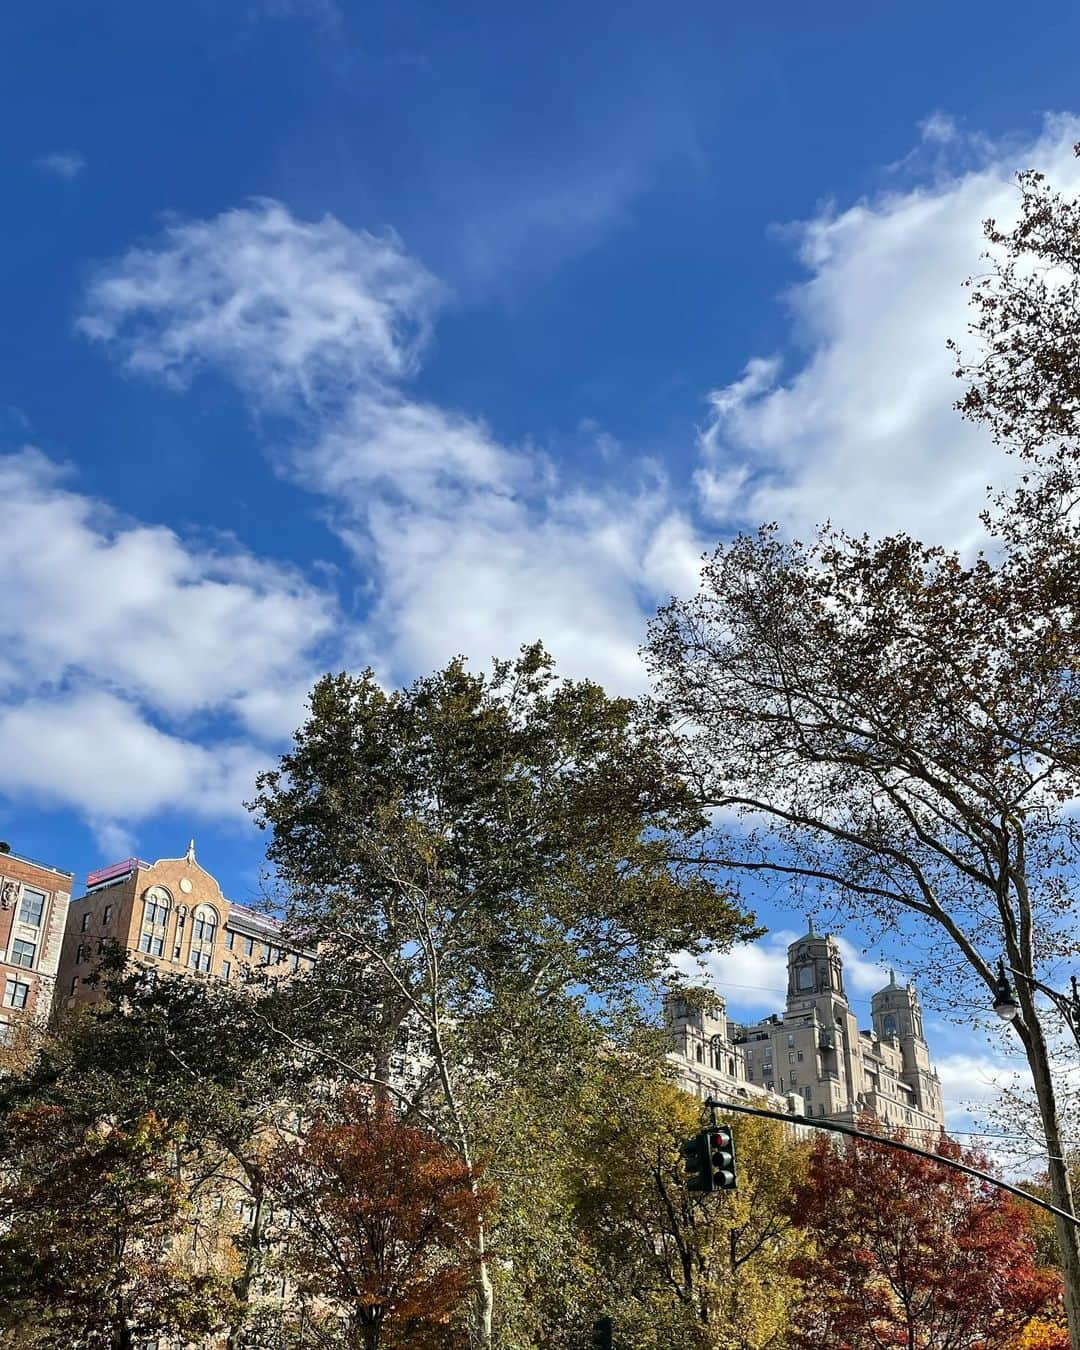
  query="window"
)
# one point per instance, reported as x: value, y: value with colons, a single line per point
x: 226, y: 970
x: 152, y: 944
x: 791, y: 1038
x: 205, y: 924
x: 700, y: 1051
x: 106, y: 914
x: 23, y: 953
x: 230, y: 938
x: 74, y: 984
x: 799, y: 1056
x: 296, y: 966
x: 249, y: 946
x: 32, y: 907
x: 198, y: 960
x: 791, y: 1056
x: 769, y: 1084
x: 156, y: 912
x: 792, y: 1079
x: 266, y: 952
x: 7, y: 1034
x: 16, y: 993
x: 807, y: 1092
x: 805, y: 977
x: 85, y: 922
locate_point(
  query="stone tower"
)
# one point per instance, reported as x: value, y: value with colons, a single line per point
x: 897, y: 1018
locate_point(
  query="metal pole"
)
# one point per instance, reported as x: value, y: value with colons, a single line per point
x: 714, y: 1105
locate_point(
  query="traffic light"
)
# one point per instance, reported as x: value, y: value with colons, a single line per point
x: 721, y: 1151
x: 601, y: 1334
x: 710, y: 1160
x: 696, y: 1160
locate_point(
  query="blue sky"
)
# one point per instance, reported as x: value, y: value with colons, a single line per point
x: 342, y: 335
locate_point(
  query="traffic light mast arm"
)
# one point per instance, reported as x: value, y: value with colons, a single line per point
x: 835, y: 1126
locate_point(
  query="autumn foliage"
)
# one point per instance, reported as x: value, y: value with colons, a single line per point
x: 91, y: 1225
x: 382, y: 1224
x: 907, y: 1252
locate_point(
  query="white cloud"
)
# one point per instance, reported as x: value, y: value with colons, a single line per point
x: 66, y: 164
x: 862, y: 430
x: 285, y: 307
x: 184, y: 627
x: 467, y: 545
x: 121, y: 644
x: 93, y: 751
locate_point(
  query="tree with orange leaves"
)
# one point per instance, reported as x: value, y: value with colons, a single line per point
x: 907, y: 1252
x: 377, y: 1233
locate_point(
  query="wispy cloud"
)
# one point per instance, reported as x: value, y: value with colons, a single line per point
x: 66, y: 164
x: 467, y: 544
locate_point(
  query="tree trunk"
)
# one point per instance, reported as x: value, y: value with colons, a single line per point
x: 1068, y: 1235
x: 243, y: 1282
x: 483, y: 1302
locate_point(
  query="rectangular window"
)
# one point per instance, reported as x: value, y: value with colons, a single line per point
x: 807, y: 1092
x: 791, y: 1057
x: 800, y: 1056
x: 74, y: 984
x: 249, y: 946
x: 769, y: 1084
x: 791, y: 1038
x: 23, y: 953
x: 7, y: 1034
x: 199, y: 960
x: 16, y: 993
x: 204, y: 930
x: 226, y: 970
x: 295, y: 962
x: 85, y: 922
x: 106, y: 914
x: 793, y: 1080
x: 266, y: 952
x: 151, y: 944
x: 230, y: 938
x: 32, y: 907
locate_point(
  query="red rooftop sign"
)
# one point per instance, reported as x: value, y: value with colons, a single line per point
x: 120, y: 869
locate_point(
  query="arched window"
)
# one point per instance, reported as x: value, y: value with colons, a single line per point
x: 205, y: 924
x: 156, y: 904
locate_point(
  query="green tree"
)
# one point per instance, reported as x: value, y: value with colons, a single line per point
x: 207, y: 1060
x: 469, y: 854
x: 698, y: 1272
x: 91, y: 1225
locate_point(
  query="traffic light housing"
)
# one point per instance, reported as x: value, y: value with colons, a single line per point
x: 696, y: 1160
x: 721, y: 1148
x: 710, y: 1160
x: 601, y: 1334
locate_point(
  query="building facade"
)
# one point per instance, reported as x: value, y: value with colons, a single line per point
x: 34, y: 898
x: 813, y: 1056
x: 170, y: 914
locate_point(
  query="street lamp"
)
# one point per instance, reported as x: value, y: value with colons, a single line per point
x: 1005, y: 1004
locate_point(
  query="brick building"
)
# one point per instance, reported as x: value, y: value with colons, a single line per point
x: 34, y: 899
x: 813, y: 1055
x: 171, y: 914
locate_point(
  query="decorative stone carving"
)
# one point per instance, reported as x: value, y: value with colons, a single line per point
x: 9, y: 893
